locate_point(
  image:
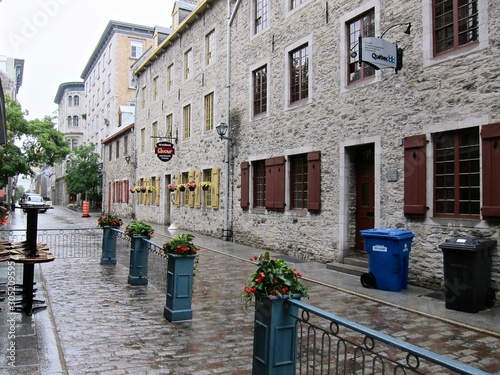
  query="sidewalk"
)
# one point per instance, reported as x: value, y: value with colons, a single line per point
x: 97, y: 324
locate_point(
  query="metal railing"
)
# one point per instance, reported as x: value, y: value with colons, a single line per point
x: 63, y: 243
x: 329, y: 344
x: 157, y: 260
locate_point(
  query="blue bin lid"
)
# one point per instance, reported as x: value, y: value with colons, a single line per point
x: 397, y: 234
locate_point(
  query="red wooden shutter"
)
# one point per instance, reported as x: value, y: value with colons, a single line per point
x: 415, y: 175
x: 275, y: 183
x: 314, y: 181
x: 490, y: 135
x: 245, y: 179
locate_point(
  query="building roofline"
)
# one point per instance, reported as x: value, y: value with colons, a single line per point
x: 111, y: 28
x: 118, y: 133
x: 175, y: 34
x: 77, y: 86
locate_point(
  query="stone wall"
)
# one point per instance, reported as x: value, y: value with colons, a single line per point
x: 458, y: 92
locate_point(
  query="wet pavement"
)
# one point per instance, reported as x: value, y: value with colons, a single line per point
x: 96, y: 323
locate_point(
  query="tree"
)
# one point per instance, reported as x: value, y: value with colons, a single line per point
x: 82, y: 171
x: 42, y: 143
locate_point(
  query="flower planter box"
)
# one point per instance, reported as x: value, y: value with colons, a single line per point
x: 138, y: 272
x: 179, y: 287
x: 108, y: 257
x: 275, y: 335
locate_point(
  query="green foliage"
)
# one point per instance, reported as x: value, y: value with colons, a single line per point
x: 82, y: 171
x: 181, y: 244
x: 42, y: 143
x: 273, y: 277
x: 109, y: 220
x: 139, y: 228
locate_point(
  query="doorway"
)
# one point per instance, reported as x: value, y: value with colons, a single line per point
x: 365, y: 191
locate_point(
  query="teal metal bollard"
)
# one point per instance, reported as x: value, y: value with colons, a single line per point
x: 275, y: 336
x: 179, y: 287
x: 108, y: 257
x: 138, y: 272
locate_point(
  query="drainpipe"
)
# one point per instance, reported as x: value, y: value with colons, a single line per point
x: 230, y: 18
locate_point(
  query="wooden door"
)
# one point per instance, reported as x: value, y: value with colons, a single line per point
x: 365, y: 192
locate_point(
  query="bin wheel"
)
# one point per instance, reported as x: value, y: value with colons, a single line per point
x: 490, y: 297
x: 368, y: 280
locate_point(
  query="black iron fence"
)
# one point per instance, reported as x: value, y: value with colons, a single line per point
x: 63, y: 243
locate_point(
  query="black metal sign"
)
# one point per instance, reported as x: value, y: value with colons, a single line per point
x: 164, y: 150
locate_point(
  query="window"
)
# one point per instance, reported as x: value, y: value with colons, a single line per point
x: 117, y: 149
x: 143, y: 97
x: 261, y: 15
x: 125, y: 145
x: 457, y: 173
x: 135, y: 49
x: 168, y: 121
x: 187, y: 121
x: 76, y: 100
x: 259, y: 184
x: 209, y: 112
x: 103, y: 88
x: 109, y: 82
x: 110, y: 156
x: 98, y: 96
x: 104, y: 61
x: 260, y: 91
x: 155, y: 89
x: 69, y: 120
x: 363, y: 26
x: 298, y: 181
x: 456, y: 23
x: 188, y: 62
x: 74, y: 144
x: 299, y: 74
x: 209, y: 47
x: 154, y: 131
x: 207, y: 176
x: 170, y: 77
x: 75, y: 120
x: 70, y: 101
x: 186, y: 194
x: 269, y: 180
x: 143, y: 140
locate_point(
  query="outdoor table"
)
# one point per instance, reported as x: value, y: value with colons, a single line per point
x: 28, y: 278
x: 31, y: 258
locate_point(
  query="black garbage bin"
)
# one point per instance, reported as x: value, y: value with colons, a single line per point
x: 467, y: 273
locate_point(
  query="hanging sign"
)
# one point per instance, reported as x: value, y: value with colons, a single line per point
x: 164, y: 150
x: 378, y: 52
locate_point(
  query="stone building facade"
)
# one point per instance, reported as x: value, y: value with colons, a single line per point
x: 69, y: 100
x: 110, y: 83
x: 324, y: 147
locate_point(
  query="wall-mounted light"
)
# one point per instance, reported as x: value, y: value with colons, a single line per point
x: 407, y: 31
x: 222, y: 129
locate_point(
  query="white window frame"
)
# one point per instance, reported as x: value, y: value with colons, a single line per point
x: 428, y: 33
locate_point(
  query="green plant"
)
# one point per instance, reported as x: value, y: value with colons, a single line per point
x: 205, y: 184
x: 273, y: 277
x: 109, y: 220
x: 182, y: 187
x: 139, y: 228
x: 150, y: 188
x: 181, y: 244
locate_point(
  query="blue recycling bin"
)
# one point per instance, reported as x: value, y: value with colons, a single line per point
x: 388, y: 252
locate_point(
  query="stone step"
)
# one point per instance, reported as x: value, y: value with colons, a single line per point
x: 346, y: 268
x: 353, y: 265
x: 357, y: 261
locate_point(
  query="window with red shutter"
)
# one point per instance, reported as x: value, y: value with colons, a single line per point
x: 490, y: 136
x: 244, y: 203
x: 415, y: 175
x: 275, y: 183
x: 314, y: 181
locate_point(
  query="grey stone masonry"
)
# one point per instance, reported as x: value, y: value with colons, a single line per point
x: 433, y: 93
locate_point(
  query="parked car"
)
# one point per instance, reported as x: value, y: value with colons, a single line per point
x: 35, y: 200
x: 47, y: 201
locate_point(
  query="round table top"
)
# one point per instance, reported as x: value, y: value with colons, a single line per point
x: 40, y: 258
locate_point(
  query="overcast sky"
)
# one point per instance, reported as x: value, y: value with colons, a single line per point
x: 56, y: 38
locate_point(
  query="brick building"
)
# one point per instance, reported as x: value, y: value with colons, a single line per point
x: 324, y: 146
